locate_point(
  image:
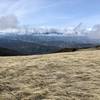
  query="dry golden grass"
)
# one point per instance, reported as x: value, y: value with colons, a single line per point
x: 65, y: 76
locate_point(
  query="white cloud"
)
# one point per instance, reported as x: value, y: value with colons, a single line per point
x: 25, y: 9
x: 8, y: 22
x: 20, y: 8
x: 95, y: 31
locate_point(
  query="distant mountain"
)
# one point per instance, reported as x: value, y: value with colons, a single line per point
x: 28, y: 44
x: 25, y: 48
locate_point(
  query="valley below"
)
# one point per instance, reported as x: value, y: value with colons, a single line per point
x: 59, y: 76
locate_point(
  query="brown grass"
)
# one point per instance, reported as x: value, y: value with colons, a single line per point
x: 65, y: 76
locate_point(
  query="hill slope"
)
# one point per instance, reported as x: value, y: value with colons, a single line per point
x: 12, y: 47
x: 65, y: 76
x: 8, y: 52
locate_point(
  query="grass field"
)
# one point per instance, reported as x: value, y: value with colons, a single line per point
x: 62, y: 76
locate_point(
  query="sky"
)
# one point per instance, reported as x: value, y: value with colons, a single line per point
x: 51, y: 13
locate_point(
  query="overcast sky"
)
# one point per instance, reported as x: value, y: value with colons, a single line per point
x: 52, y: 12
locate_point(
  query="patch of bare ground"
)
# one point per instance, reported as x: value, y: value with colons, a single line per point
x: 63, y: 76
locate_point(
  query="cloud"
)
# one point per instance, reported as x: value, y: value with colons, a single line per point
x: 95, y: 31
x: 46, y: 12
x: 9, y: 21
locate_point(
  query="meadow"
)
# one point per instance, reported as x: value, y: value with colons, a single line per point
x: 59, y: 76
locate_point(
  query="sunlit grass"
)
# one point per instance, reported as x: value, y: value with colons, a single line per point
x: 64, y: 76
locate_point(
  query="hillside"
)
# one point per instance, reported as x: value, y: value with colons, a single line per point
x: 12, y: 47
x: 62, y: 76
x: 8, y: 52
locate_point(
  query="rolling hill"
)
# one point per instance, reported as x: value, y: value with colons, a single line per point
x: 60, y: 76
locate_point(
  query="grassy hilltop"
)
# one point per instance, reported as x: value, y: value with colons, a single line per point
x: 62, y: 76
